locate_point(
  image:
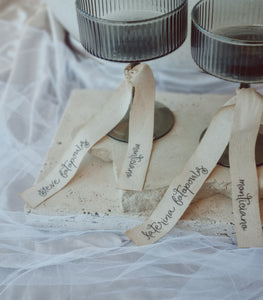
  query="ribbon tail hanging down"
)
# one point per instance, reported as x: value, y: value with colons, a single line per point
x: 245, y: 189
x: 141, y: 124
x: 95, y: 129
x: 188, y: 182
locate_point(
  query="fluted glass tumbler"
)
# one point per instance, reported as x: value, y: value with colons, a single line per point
x: 227, y: 42
x: 132, y: 31
x: 227, y: 39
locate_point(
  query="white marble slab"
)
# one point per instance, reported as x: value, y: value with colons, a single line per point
x: 91, y: 201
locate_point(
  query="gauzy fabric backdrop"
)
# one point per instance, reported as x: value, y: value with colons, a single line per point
x: 37, y: 74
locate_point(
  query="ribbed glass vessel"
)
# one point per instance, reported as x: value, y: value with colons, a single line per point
x: 227, y: 39
x: 131, y: 30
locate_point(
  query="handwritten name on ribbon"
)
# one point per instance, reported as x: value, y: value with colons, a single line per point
x: 134, y: 168
x: 187, y: 183
x: 135, y: 158
x: 244, y: 199
x: 244, y: 177
x: 70, y: 164
x: 177, y: 197
x: 111, y: 113
x: 182, y: 191
x: 66, y: 167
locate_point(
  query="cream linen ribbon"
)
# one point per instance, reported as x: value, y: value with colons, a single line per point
x: 111, y: 113
x: 141, y: 125
x: 187, y: 183
x: 136, y: 162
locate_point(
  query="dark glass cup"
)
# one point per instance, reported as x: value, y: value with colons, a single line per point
x: 227, y: 39
x: 227, y: 42
x: 132, y: 31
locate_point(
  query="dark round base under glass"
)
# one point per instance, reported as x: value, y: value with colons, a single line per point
x: 164, y: 121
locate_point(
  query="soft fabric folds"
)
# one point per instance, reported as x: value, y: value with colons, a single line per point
x: 38, y: 70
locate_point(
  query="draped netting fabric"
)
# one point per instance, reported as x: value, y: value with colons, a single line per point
x: 38, y: 71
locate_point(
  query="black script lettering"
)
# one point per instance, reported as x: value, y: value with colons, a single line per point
x: 165, y: 220
x: 178, y: 196
x: 43, y: 191
x: 148, y: 234
x: 135, y: 158
x: 244, y: 200
x: 64, y: 170
x: 203, y: 170
x: 182, y: 191
x: 152, y: 229
x: 157, y: 227
x: 70, y: 164
x: 187, y: 187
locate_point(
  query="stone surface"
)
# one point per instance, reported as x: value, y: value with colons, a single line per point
x: 91, y: 201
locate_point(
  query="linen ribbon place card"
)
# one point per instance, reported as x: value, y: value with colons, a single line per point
x: 236, y: 123
x: 139, y: 79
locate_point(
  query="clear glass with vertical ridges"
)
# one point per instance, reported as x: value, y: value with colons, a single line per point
x: 227, y: 39
x: 131, y: 30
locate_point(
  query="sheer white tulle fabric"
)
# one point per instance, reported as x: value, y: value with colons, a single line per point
x: 37, y: 73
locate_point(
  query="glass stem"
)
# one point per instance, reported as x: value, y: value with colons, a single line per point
x: 244, y: 85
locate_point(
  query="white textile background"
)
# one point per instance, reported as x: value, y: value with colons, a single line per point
x: 37, y: 73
